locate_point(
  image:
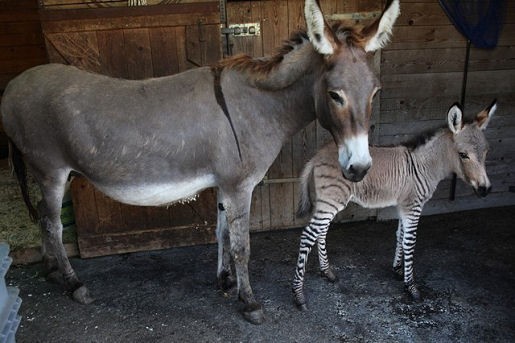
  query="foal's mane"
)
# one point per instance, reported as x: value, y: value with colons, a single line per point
x: 426, y: 136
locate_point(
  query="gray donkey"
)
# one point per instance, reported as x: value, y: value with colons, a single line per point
x: 400, y: 176
x: 155, y: 141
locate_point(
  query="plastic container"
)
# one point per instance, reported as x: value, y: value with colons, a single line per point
x: 9, y: 300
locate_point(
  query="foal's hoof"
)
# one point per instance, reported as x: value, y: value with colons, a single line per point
x: 254, y: 313
x: 329, y: 275
x: 301, y: 306
x: 413, y: 291
x: 81, y: 295
x: 300, y: 302
x: 398, y: 273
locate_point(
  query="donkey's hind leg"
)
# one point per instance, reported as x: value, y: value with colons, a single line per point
x: 54, y: 253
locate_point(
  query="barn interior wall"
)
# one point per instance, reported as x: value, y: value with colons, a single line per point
x: 21, y: 45
x: 421, y: 71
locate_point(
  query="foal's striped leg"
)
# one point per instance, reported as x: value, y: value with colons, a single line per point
x: 410, y: 220
x: 325, y: 268
x: 397, y: 259
x: 316, y: 231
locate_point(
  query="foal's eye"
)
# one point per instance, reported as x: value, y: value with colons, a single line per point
x: 464, y: 156
x: 337, y: 98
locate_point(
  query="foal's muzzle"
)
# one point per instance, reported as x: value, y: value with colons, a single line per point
x: 483, y: 191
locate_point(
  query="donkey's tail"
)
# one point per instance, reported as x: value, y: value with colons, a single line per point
x: 305, y: 203
x: 18, y: 167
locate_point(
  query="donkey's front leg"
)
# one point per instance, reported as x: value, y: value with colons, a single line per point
x: 237, y: 208
x: 224, y: 274
x: 410, y: 222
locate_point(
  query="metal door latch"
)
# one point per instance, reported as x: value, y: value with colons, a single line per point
x: 242, y: 30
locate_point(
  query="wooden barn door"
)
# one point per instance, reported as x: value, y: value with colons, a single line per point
x: 135, y: 43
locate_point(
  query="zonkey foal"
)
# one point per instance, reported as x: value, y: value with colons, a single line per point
x: 400, y: 176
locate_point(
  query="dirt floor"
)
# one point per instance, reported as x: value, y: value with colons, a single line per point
x: 465, y: 264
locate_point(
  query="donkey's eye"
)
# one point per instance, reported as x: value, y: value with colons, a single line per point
x: 464, y: 156
x: 337, y: 98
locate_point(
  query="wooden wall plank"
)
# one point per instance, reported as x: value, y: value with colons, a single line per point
x: 129, y: 18
x: 245, y: 12
x: 163, y: 44
x: 137, y: 54
x: 76, y: 48
x: 111, y: 47
x: 478, y: 83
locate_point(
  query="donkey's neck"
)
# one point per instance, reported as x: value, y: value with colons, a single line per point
x: 436, y: 159
x: 294, y: 60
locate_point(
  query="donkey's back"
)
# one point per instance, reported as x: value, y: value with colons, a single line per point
x: 120, y: 134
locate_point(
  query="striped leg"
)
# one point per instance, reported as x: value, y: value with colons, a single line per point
x: 316, y: 230
x: 410, y: 221
x: 325, y: 269
x: 397, y: 259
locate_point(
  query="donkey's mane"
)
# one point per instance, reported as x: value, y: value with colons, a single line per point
x: 260, y: 68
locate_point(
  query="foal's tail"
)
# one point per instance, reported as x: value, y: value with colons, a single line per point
x: 18, y: 168
x: 305, y: 202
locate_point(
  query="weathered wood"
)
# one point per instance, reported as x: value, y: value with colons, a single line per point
x: 415, y: 61
x: 127, y: 18
x: 425, y: 85
x: 82, y: 4
x: 160, y: 238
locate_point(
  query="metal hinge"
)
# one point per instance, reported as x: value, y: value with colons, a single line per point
x: 242, y: 30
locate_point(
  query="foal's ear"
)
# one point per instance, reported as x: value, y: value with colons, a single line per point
x: 319, y: 33
x: 377, y: 34
x: 485, y: 115
x: 454, y: 118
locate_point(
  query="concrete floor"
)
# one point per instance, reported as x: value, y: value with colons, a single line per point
x: 464, y: 263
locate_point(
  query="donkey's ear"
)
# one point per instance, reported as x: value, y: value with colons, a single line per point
x: 319, y: 33
x: 454, y: 118
x: 377, y: 34
x: 485, y: 115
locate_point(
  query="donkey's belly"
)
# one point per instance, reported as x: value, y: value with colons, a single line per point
x: 158, y: 194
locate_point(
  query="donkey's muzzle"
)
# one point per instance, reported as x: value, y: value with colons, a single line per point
x: 356, y: 173
x: 483, y: 191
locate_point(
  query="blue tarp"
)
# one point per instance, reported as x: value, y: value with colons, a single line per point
x: 480, y: 21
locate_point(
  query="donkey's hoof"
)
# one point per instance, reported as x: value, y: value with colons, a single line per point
x: 254, y: 314
x: 55, y: 277
x: 329, y: 275
x: 226, y: 281
x: 413, y: 292
x: 81, y: 295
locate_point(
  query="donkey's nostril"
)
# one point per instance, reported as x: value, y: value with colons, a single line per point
x: 483, y: 191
